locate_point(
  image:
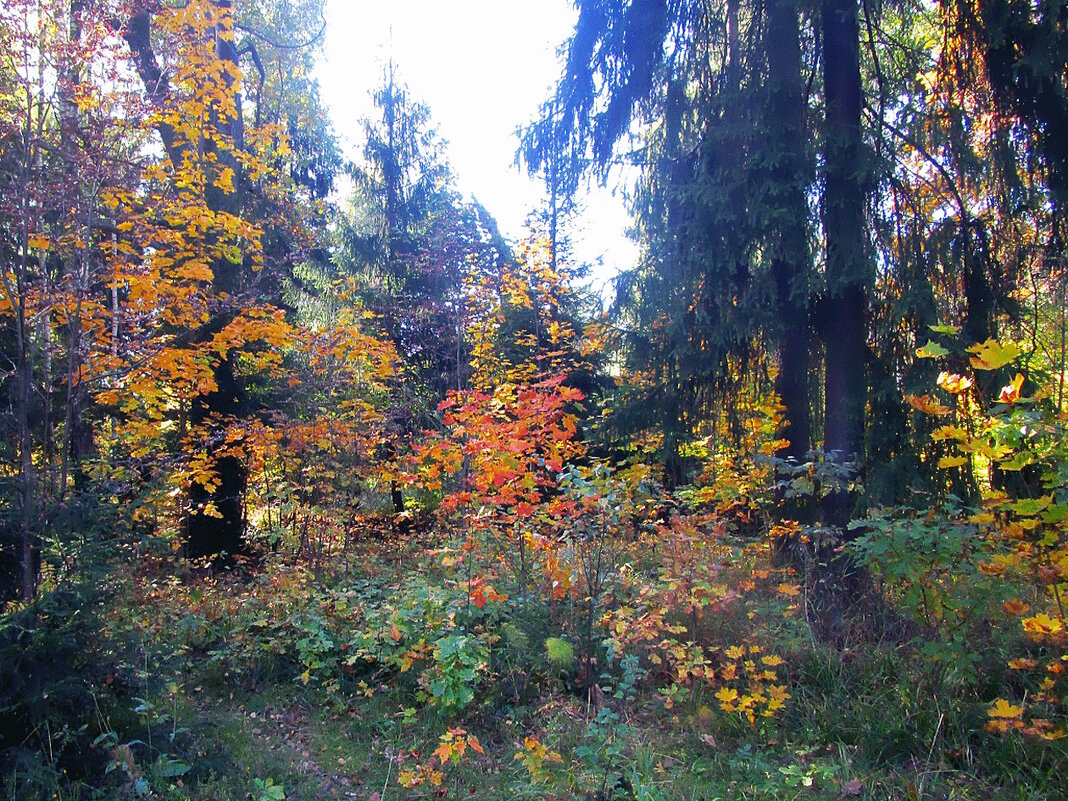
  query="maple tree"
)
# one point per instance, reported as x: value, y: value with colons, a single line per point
x: 211, y: 248
x: 1021, y: 525
x: 161, y: 291
x: 507, y: 439
x: 228, y: 225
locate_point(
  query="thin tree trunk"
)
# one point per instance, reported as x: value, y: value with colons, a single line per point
x: 79, y: 272
x: 27, y: 475
x: 24, y: 372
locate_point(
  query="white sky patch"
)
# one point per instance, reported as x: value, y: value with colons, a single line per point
x: 483, y: 67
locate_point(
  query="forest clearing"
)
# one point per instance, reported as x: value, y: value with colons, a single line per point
x: 314, y: 485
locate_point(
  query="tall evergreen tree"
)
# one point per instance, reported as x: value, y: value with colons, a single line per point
x: 718, y: 92
x: 410, y: 238
x: 403, y: 195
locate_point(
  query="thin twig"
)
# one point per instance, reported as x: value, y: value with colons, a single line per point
x: 389, y: 772
x: 930, y: 753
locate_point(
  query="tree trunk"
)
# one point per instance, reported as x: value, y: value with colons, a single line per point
x: 24, y: 385
x: 840, y: 582
x: 221, y: 530
x: 27, y: 555
x: 792, y: 259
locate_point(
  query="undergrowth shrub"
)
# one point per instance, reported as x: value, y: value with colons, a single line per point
x: 61, y: 674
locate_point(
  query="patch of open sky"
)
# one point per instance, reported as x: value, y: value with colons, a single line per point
x: 483, y: 67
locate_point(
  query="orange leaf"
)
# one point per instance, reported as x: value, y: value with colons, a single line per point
x: 1015, y: 607
x: 927, y: 405
x: 1023, y: 664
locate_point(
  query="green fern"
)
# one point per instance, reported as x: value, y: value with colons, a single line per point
x: 559, y: 652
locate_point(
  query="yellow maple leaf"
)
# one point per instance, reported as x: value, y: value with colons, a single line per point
x: 1042, y: 625
x: 953, y: 383
x: 952, y: 461
x: 992, y: 355
x: 1010, y: 393
x: 1004, y: 710
x: 727, y: 696
x: 949, y: 432
x: 927, y: 405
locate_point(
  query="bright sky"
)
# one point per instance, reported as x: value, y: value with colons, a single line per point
x: 483, y: 67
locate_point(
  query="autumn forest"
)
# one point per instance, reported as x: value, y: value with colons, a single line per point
x: 315, y: 485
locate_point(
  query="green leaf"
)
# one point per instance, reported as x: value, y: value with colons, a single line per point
x: 949, y: 330
x: 932, y: 350
x: 109, y: 736
x: 1057, y: 513
x: 1029, y: 507
x: 170, y: 768
x: 1019, y: 461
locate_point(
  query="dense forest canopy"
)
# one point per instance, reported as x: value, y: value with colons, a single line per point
x: 302, y: 427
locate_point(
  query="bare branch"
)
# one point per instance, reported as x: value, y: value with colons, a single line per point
x: 264, y: 37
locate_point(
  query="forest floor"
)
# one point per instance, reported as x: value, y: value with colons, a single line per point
x: 380, y: 681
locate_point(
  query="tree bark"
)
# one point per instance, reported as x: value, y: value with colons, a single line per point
x: 841, y: 582
x: 844, y: 200
x: 221, y: 530
x: 792, y: 259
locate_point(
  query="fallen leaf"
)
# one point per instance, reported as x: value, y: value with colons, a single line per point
x: 851, y: 788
